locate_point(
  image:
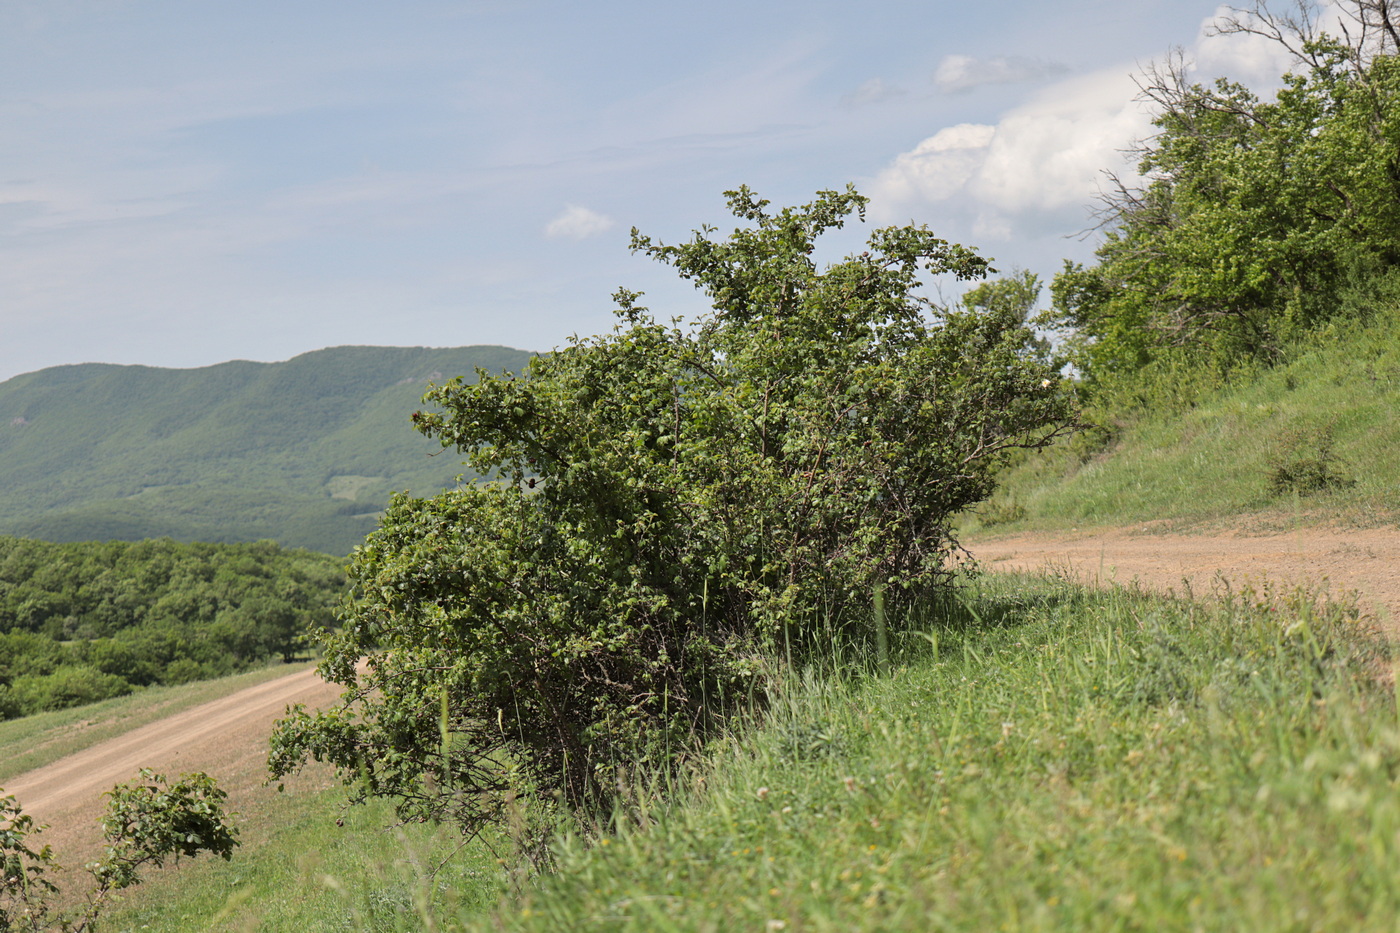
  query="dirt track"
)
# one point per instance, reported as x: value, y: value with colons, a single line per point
x: 226, y: 738
x: 1366, y: 562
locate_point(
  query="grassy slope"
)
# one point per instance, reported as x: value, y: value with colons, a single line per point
x: 1047, y: 758
x: 1213, y: 463
x: 234, y: 452
x: 286, y: 874
x: 1067, y: 760
x: 1072, y: 761
x: 298, y: 869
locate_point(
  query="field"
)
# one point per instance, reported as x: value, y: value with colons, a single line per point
x: 1042, y: 754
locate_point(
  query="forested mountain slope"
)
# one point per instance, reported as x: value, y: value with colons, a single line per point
x: 304, y: 452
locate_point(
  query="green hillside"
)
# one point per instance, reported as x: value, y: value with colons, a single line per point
x: 1312, y: 438
x: 304, y: 452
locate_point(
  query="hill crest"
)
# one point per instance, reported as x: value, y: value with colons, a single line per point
x: 304, y: 451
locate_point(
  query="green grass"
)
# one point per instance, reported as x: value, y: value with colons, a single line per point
x: 299, y: 871
x: 1042, y: 757
x: 1213, y: 462
x: 1077, y: 761
x: 34, y: 741
x: 297, y: 868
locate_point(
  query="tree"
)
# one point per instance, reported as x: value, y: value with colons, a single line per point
x: 674, y: 510
x: 1014, y: 296
x: 147, y: 823
x: 1255, y: 214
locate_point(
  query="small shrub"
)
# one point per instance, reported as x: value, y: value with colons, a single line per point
x: 1304, y: 462
x: 999, y: 512
x: 66, y: 687
x: 149, y: 822
x: 700, y: 501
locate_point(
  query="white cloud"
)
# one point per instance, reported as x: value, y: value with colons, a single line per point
x: 1040, y: 168
x: 1051, y: 153
x: 958, y: 74
x: 1255, y: 61
x: 577, y: 223
x: 873, y: 91
x: 938, y: 168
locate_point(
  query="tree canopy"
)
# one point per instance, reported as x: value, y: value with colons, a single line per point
x: 86, y: 621
x: 676, y: 508
x: 1255, y: 215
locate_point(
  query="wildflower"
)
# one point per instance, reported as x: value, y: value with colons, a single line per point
x: 763, y: 793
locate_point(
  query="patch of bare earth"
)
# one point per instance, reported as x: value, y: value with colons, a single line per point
x: 227, y: 738
x: 1365, y: 562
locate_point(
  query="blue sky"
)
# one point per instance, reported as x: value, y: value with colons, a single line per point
x: 183, y: 183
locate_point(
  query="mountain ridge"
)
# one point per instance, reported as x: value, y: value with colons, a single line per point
x: 304, y: 451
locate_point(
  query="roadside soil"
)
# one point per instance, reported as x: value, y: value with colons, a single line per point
x: 1363, y: 562
x: 227, y: 738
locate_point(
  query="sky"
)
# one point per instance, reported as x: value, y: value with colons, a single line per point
x: 185, y: 182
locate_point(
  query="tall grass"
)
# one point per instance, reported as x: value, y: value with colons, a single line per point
x: 1217, y: 456
x: 1046, y: 758
x: 1040, y: 756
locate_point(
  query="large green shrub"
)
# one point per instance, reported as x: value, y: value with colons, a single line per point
x: 672, y: 506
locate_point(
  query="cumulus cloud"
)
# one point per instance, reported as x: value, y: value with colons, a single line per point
x: 938, y: 168
x: 1253, y: 60
x: 958, y: 74
x: 577, y: 223
x: 1039, y: 169
x: 1040, y: 165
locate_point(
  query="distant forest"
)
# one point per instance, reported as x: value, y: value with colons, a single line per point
x: 82, y: 622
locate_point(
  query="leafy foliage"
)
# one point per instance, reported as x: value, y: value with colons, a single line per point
x: 674, y: 507
x: 1256, y: 214
x: 147, y: 823
x: 84, y: 622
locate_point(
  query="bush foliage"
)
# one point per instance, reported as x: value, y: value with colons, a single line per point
x: 672, y: 506
x: 148, y: 822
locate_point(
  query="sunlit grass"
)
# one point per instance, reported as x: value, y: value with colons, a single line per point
x: 309, y: 866
x: 1041, y: 757
x: 1212, y: 461
x: 1080, y: 760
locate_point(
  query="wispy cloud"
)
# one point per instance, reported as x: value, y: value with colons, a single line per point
x: 577, y: 223
x: 958, y: 74
x: 873, y: 91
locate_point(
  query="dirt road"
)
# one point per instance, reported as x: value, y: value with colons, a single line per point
x: 1366, y: 561
x: 226, y: 738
